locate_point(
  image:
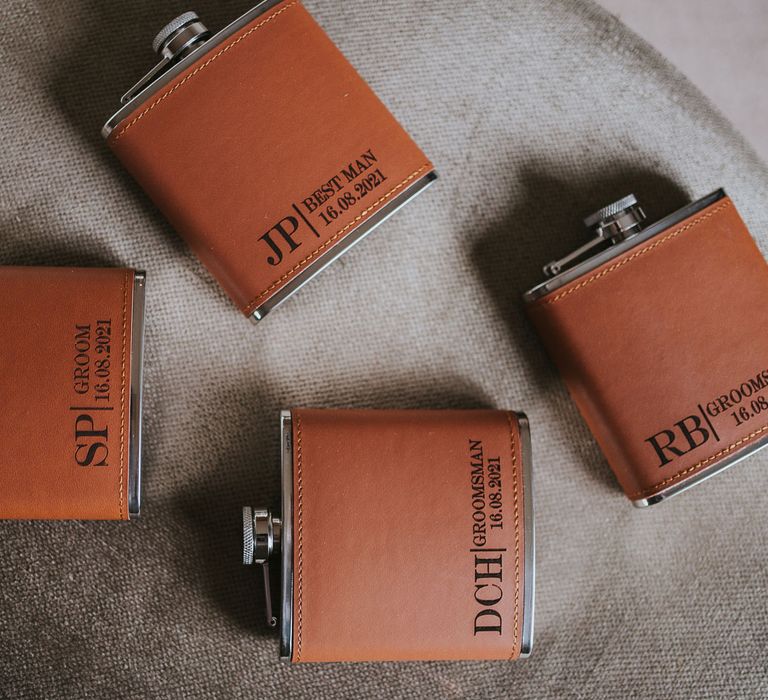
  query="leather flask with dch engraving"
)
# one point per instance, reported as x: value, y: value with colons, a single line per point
x: 403, y: 535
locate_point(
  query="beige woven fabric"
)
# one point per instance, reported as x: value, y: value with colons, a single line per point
x: 534, y: 112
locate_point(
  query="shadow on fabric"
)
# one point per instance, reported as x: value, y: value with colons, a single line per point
x: 36, y: 243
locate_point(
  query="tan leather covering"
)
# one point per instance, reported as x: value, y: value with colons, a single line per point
x: 655, y: 337
x: 383, y: 528
x: 39, y: 311
x: 254, y: 127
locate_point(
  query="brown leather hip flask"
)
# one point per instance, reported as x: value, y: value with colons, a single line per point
x: 659, y: 332
x: 264, y: 148
x: 71, y: 375
x: 404, y: 535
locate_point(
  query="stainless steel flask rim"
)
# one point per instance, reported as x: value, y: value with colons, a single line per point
x: 617, y: 228
x: 257, y: 542
x: 136, y: 394
x: 703, y: 475
x: 264, y: 535
x: 343, y: 245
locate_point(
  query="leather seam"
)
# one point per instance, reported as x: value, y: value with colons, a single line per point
x: 637, y: 254
x: 226, y: 48
x: 122, y: 390
x: 516, y: 511
x: 250, y: 306
x: 300, y: 538
x: 653, y: 489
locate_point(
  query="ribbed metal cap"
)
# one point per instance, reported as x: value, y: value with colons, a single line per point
x: 174, y: 25
x: 247, y: 535
x: 611, y: 210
